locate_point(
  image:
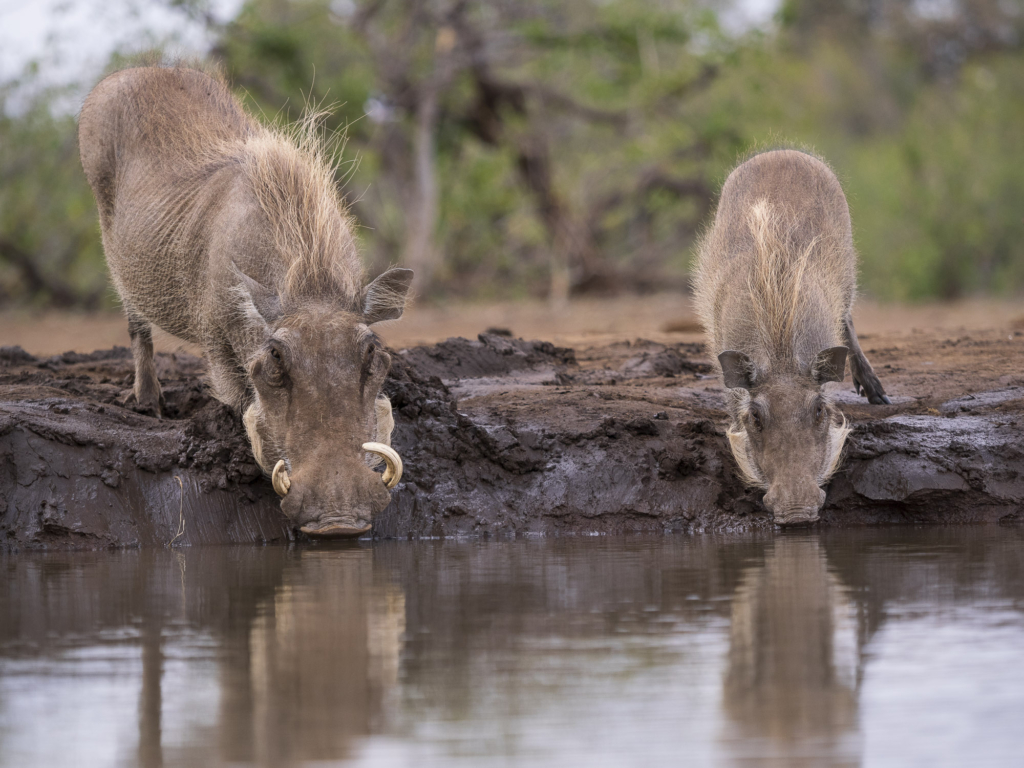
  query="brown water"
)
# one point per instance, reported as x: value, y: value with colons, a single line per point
x: 885, y: 647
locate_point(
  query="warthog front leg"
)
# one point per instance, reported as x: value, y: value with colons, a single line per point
x: 865, y: 382
x: 147, y: 392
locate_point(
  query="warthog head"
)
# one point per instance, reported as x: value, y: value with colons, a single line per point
x: 786, y: 435
x: 318, y: 422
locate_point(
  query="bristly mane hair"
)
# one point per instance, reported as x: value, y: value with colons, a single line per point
x: 776, y: 280
x: 292, y: 176
x: 291, y: 172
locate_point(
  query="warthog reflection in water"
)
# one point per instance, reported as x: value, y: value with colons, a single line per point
x: 232, y: 236
x: 791, y: 684
x: 774, y: 289
x: 322, y: 656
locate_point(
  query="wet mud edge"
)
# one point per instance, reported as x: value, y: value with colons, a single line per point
x: 500, y: 437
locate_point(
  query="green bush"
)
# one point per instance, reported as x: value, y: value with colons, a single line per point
x: 601, y: 129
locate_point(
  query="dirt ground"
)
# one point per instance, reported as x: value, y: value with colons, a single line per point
x: 661, y: 317
x: 610, y: 422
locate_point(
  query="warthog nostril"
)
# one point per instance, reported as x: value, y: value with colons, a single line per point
x: 279, y: 477
x: 393, y: 472
x: 789, y: 508
x: 796, y: 517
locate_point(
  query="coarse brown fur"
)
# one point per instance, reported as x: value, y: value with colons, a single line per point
x: 233, y: 236
x: 774, y: 288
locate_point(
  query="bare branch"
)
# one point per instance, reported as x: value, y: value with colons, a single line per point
x: 552, y: 98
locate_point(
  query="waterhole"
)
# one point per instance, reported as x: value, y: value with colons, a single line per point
x: 867, y: 647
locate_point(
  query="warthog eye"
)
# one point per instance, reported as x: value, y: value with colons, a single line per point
x: 274, y: 369
x: 819, y: 411
x: 755, y: 418
x: 371, y: 350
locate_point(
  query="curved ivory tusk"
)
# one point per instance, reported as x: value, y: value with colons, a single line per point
x: 279, y: 477
x: 393, y: 473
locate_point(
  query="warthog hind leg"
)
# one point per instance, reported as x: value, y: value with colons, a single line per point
x: 865, y: 382
x: 147, y: 394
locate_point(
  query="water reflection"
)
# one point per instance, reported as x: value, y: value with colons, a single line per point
x: 304, y: 647
x: 842, y: 648
x: 791, y: 683
x: 322, y: 653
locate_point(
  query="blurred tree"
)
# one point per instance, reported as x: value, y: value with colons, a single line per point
x: 941, y: 33
x: 540, y: 147
x: 943, y: 197
x: 571, y: 97
x: 49, y: 236
x: 921, y: 100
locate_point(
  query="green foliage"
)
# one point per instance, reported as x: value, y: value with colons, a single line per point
x: 600, y: 87
x: 931, y: 168
x: 946, y: 208
x: 50, y: 250
x: 600, y: 127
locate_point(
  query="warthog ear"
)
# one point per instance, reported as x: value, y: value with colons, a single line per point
x: 385, y: 297
x: 737, y: 370
x: 265, y: 300
x: 829, y: 365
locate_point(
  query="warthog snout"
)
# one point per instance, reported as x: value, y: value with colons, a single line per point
x: 794, y: 506
x: 336, y: 516
x: 333, y: 502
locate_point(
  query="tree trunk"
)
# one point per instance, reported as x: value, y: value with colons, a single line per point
x: 564, y: 240
x: 421, y: 254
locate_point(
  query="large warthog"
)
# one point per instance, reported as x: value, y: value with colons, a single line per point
x: 774, y: 286
x: 232, y: 236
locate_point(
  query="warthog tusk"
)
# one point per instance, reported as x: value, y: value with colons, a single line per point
x: 393, y: 473
x: 280, y: 479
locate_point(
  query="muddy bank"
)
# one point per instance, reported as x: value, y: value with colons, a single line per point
x: 79, y: 470
x: 630, y: 437
x: 500, y: 437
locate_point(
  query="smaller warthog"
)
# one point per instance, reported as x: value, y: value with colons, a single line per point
x: 232, y: 236
x: 774, y: 286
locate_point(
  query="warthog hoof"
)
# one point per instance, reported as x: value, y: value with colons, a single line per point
x: 868, y: 385
x: 149, y: 406
x: 335, y: 529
